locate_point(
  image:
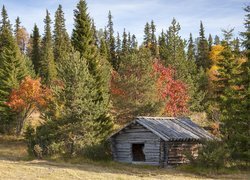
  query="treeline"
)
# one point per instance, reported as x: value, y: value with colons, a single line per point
x: 85, y: 84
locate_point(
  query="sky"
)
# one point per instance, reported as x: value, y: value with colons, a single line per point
x: 133, y: 14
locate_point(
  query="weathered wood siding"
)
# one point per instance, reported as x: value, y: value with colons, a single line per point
x: 133, y: 134
x: 177, y: 151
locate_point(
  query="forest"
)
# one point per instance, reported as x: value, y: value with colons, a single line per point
x: 86, y: 85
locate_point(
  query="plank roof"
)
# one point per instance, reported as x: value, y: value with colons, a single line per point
x: 173, y: 128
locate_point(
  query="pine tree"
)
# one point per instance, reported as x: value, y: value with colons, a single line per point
x: 153, y: 45
x: 12, y: 70
x: 133, y: 87
x: 210, y: 42
x: 162, y: 44
x: 17, y: 26
x: 125, y: 47
x: 134, y: 43
x: 21, y: 36
x: 60, y: 37
x: 104, y: 49
x: 83, y: 122
x: 191, y: 50
x: 83, y: 36
x: 150, y: 37
x: 216, y: 40
x: 84, y: 42
x: 203, y: 50
x: 48, y: 67
x: 147, y: 35
x: 36, y: 49
x: 236, y: 46
x: 111, y: 42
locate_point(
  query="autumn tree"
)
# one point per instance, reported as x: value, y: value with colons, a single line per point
x: 26, y: 99
x: 21, y: 35
x: 172, y: 92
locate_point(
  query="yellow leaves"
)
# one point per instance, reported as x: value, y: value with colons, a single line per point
x: 212, y: 72
x: 215, y: 54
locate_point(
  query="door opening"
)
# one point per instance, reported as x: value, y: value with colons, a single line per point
x: 137, y: 151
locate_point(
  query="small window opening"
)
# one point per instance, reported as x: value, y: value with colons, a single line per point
x: 137, y: 151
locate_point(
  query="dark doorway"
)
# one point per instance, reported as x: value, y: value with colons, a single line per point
x: 138, y: 154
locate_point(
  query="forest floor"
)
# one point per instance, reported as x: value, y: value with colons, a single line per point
x: 15, y: 164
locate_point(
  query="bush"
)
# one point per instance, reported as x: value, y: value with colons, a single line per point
x: 99, y: 151
x: 213, y: 154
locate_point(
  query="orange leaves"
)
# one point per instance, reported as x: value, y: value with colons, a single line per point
x: 30, y: 94
x: 172, y: 92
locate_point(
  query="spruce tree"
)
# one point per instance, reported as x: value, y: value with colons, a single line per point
x: 84, y: 42
x: 153, y: 45
x: 136, y: 93
x: 162, y: 44
x: 111, y: 42
x: 12, y: 69
x: 216, y: 40
x: 147, y: 35
x: 83, y: 36
x: 203, y: 50
x: 47, y: 66
x: 191, y: 49
x: 125, y: 47
x: 210, y: 42
x: 60, y: 37
x: 36, y: 49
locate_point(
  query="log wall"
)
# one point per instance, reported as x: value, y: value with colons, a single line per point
x: 177, y: 151
x: 136, y: 134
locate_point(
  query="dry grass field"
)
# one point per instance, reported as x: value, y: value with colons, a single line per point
x: 15, y: 164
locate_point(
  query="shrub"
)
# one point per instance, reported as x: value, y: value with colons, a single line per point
x: 99, y: 151
x: 213, y: 154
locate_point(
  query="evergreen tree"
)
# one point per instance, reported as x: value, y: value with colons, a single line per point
x: 83, y: 36
x: 210, y: 42
x: 236, y: 46
x: 47, y: 66
x: 133, y: 87
x: 162, y: 44
x: 147, y: 35
x: 150, y: 37
x: 111, y: 42
x: 134, y: 42
x: 83, y: 122
x: 60, y: 37
x: 36, y: 49
x: 216, y: 40
x: 12, y: 70
x: 17, y: 26
x: 104, y: 49
x: 153, y: 45
x: 125, y: 47
x: 84, y: 42
x: 191, y: 50
x: 203, y: 50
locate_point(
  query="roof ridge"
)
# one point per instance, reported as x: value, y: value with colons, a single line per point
x: 154, y: 117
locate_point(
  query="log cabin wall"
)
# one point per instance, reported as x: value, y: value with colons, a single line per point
x: 121, y: 144
x: 177, y: 151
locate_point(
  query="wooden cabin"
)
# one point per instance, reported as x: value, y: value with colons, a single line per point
x: 158, y: 141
